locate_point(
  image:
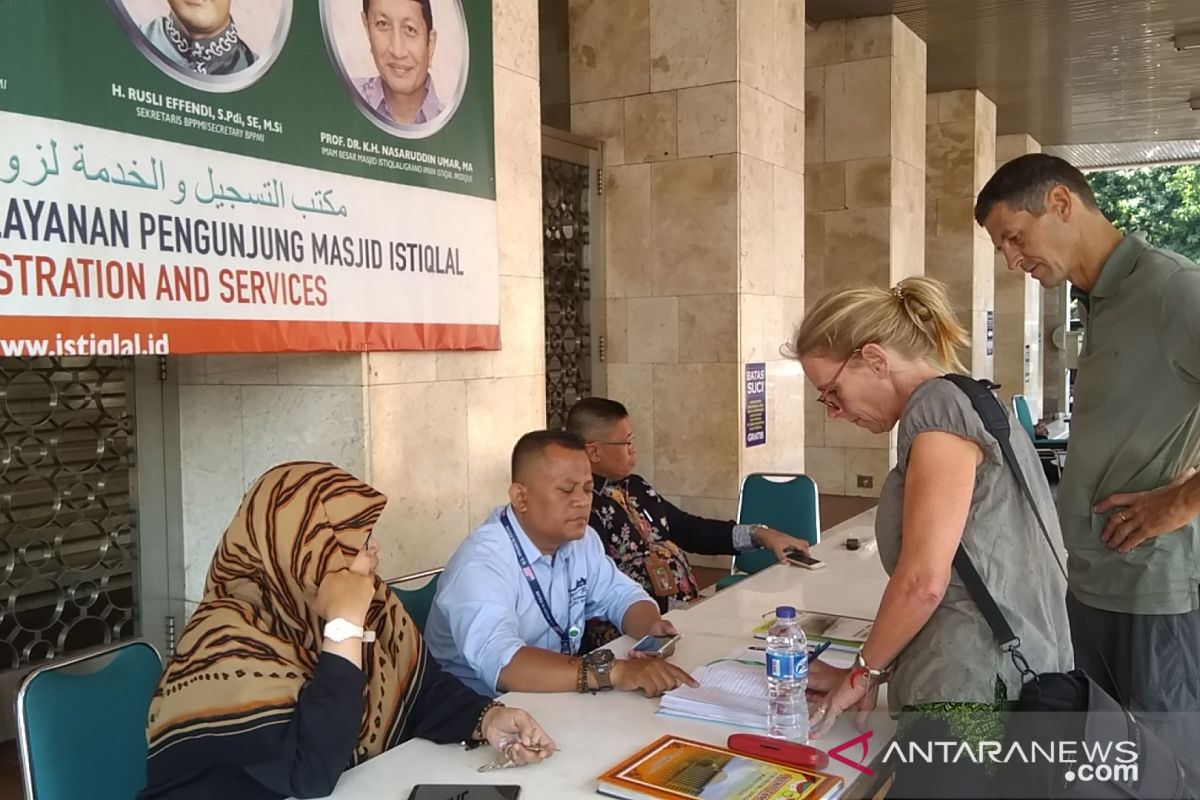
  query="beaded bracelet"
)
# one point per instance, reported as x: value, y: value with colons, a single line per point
x: 477, y: 732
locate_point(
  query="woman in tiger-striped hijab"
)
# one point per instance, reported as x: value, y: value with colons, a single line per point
x: 257, y: 702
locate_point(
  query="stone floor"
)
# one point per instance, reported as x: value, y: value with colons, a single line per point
x: 833, y: 511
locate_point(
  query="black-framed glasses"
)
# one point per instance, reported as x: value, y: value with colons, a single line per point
x: 828, y: 397
x: 627, y: 444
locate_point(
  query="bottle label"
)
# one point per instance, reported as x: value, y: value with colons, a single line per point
x: 785, y: 666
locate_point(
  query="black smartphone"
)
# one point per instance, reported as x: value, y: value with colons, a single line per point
x: 796, y: 558
x: 463, y: 791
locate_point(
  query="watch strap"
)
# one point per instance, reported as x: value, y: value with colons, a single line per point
x: 339, y: 629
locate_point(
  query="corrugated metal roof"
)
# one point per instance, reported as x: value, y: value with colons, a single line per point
x: 1128, y: 154
x: 1063, y: 71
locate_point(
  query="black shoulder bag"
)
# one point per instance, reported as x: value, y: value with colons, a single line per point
x: 1098, y: 717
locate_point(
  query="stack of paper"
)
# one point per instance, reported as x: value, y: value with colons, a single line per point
x: 732, y: 692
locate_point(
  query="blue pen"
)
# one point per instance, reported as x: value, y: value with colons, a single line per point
x: 821, y: 648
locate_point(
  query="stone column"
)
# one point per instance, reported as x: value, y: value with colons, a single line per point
x: 1019, y: 344
x: 1056, y: 313
x: 432, y: 430
x: 700, y: 107
x: 961, y: 155
x: 864, y: 202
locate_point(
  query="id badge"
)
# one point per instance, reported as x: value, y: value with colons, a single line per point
x: 661, y: 576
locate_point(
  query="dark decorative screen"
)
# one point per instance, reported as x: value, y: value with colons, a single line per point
x: 568, y: 287
x: 67, y: 519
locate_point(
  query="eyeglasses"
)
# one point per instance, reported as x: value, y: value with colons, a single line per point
x: 828, y: 398
x: 627, y: 444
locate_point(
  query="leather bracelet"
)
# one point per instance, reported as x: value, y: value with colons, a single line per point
x: 477, y: 732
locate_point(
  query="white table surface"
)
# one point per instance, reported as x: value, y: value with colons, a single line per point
x: 595, y: 732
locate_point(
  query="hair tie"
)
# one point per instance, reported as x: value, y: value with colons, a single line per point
x: 898, y: 292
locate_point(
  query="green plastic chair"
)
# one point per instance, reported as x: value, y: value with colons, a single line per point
x: 417, y: 601
x: 81, y: 723
x: 786, y: 502
x: 1021, y: 411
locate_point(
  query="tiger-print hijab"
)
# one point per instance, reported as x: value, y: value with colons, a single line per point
x: 254, y: 640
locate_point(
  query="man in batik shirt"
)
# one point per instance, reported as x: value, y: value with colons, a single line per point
x: 644, y: 533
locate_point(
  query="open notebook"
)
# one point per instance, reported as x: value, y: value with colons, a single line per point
x: 732, y: 690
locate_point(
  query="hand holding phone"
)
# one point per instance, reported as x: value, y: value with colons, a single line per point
x: 655, y: 646
x: 798, y: 559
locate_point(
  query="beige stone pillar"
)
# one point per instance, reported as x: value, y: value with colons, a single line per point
x: 441, y: 426
x: 432, y: 430
x: 1056, y: 313
x: 1019, y: 343
x: 864, y: 202
x: 960, y: 150
x: 700, y: 107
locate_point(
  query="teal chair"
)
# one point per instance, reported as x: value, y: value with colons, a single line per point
x: 417, y: 601
x: 1021, y: 411
x: 786, y: 502
x: 81, y: 723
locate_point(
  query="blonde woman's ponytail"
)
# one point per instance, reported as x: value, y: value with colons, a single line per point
x: 913, y: 317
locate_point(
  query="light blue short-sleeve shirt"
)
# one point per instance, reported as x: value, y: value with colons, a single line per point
x: 484, y: 610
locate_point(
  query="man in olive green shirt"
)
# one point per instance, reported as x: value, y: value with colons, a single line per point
x: 1128, y: 501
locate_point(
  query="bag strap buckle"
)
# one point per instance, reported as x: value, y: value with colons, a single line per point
x: 1013, y: 648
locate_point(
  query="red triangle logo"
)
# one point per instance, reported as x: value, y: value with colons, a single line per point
x: 859, y: 765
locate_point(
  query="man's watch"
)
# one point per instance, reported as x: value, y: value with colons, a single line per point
x: 600, y: 664
x: 340, y: 629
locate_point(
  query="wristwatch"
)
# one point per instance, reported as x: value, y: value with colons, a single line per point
x: 600, y: 663
x: 874, y: 676
x: 340, y: 629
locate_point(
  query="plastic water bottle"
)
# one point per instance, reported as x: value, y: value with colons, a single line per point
x: 787, y: 678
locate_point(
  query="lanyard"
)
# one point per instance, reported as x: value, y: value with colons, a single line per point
x: 563, y: 637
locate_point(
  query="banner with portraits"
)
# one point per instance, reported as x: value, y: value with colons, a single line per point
x: 224, y: 176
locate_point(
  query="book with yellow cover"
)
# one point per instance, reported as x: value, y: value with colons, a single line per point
x: 673, y: 767
x: 843, y: 633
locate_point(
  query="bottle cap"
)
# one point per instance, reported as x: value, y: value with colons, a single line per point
x: 785, y: 612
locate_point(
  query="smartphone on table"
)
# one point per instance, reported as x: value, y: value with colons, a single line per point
x: 799, y: 559
x: 463, y: 791
x: 661, y: 646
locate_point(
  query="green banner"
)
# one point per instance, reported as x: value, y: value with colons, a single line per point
x: 392, y: 90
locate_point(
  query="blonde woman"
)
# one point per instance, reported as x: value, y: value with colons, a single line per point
x: 875, y: 356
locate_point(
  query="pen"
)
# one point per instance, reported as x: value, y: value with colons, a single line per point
x: 821, y: 648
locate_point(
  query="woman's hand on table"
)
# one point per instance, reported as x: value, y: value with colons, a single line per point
x: 824, y: 677
x: 853, y: 691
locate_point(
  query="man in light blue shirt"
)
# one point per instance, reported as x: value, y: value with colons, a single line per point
x: 511, y: 604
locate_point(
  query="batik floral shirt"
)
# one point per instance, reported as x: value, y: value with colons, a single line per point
x: 637, y: 525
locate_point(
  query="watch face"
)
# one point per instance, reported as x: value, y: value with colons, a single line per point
x: 341, y: 629
x: 599, y: 658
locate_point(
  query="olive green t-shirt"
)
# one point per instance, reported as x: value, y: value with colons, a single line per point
x: 1135, y: 425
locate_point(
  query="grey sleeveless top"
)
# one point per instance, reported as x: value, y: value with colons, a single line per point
x: 955, y: 657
